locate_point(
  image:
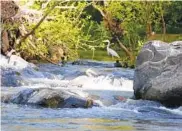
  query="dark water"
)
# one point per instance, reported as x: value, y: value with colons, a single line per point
x: 129, y: 115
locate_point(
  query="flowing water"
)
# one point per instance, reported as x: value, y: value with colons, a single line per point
x: 101, y: 81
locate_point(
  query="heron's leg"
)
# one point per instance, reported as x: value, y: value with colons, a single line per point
x: 9, y: 59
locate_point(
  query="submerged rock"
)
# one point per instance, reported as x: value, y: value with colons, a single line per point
x: 158, y: 73
x: 52, y: 98
x: 118, y: 64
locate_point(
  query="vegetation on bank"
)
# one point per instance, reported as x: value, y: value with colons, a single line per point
x: 80, y: 27
x: 101, y: 54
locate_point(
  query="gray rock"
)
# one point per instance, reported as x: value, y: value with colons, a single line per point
x: 158, y: 73
x: 46, y: 97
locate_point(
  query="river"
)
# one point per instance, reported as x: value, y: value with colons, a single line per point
x: 105, y: 84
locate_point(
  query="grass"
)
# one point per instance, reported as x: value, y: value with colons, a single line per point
x: 167, y: 37
x: 101, y: 55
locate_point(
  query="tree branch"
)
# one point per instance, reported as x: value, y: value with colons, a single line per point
x: 39, y: 23
x: 33, y: 30
x: 125, y: 49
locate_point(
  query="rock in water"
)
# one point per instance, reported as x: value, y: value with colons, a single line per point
x: 52, y: 98
x: 158, y: 73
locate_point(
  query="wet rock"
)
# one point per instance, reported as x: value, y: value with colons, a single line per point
x: 52, y: 98
x: 158, y: 73
x: 92, y: 63
x: 10, y: 77
x: 122, y: 64
x: 132, y: 66
x: 125, y: 65
x: 57, y: 53
x: 119, y: 98
x: 118, y: 64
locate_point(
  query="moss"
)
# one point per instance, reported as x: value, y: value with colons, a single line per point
x: 36, y: 69
x: 18, y: 73
x: 53, y: 102
x: 89, y: 103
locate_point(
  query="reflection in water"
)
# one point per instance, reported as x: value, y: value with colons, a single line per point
x: 116, y: 117
x: 94, y: 124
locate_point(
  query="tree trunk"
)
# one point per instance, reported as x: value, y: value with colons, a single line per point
x: 148, y: 29
x: 126, y: 50
x: 163, y: 24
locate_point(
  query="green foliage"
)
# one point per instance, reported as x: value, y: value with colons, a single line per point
x: 133, y: 35
x: 95, y: 34
x: 124, y: 11
x: 69, y: 28
x: 10, y: 26
x: 173, y: 17
x: 132, y: 16
x: 73, y: 25
x: 63, y: 28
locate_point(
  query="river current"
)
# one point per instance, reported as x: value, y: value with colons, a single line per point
x: 105, y: 84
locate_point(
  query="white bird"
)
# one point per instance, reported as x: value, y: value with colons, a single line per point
x: 89, y: 72
x: 9, y: 54
x: 111, y: 51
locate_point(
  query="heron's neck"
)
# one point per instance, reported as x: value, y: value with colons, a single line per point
x: 108, y: 45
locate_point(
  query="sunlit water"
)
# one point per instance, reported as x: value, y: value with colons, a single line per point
x: 104, y: 86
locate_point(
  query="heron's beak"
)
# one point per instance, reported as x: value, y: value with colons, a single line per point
x: 105, y: 41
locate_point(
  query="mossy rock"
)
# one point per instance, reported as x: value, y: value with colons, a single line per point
x: 53, y: 102
x: 18, y: 73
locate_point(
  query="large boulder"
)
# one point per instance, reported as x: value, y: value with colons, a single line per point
x: 158, y: 73
x: 46, y: 97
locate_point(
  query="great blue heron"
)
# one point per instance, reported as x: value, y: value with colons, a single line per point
x: 111, y: 51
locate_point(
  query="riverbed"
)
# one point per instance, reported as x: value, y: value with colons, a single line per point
x: 101, y: 81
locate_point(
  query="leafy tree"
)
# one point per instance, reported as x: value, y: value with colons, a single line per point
x: 85, y: 24
x: 173, y: 17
